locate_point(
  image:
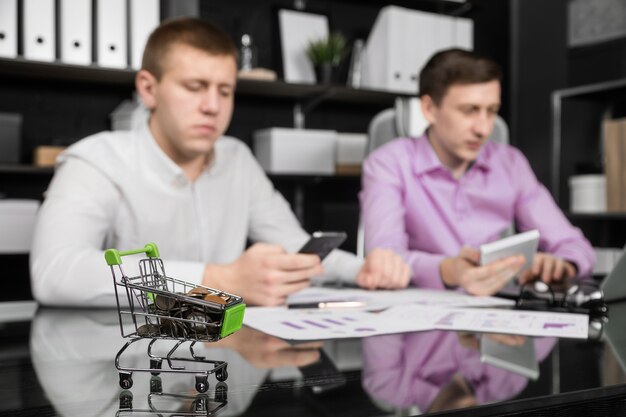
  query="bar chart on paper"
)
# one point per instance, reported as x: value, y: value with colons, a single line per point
x: 313, y: 324
x: 319, y: 324
x: 529, y: 323
x: 338, y: 324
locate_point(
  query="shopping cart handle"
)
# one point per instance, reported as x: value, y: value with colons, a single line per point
x: 114, y: 256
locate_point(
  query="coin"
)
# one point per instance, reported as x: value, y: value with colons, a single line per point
x: 198, y: 290
x: 149, y: 330
x: 164, y: 302
x: 218, y: 299
x: 173, y: 328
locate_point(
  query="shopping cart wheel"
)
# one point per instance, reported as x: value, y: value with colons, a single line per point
x: 126, y: 400
x: 126, y: 380
x: 200, y: 403
x: 221, y: 392
x: 155, y: 364
x: 202, y: 383
x: 222, y: 374
x: 156, y: 386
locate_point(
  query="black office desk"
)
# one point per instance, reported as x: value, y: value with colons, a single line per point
x: 60, y: 362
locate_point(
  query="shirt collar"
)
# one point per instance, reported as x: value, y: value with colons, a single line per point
x: 157, y: 161
x: 160, y: 164
x: 426, y: 159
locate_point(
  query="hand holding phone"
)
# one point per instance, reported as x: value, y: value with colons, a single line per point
x: 322, y: 243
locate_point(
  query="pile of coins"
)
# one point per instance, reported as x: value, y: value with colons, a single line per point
x: 181, y: 319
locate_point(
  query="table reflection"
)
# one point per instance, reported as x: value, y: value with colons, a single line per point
x: 72, y: 353
x: 438, y: 370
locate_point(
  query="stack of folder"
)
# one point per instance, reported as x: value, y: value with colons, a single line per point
x: 116, y: 40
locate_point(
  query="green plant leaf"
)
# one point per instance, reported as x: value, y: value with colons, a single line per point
x: 330, y: 49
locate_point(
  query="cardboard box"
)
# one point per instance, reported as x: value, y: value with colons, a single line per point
x: 296, y: 151
x: 46, y: 156
x: 614, y: 136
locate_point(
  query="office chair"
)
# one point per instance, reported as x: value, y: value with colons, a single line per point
x: 405, y: 119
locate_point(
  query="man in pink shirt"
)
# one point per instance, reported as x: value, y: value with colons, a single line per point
x: 436, y: 198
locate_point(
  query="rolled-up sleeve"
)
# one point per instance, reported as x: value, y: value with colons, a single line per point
x: 383, y: 214
x: 536, y: 209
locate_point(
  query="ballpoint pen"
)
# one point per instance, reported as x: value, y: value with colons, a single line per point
x: 328, y: 304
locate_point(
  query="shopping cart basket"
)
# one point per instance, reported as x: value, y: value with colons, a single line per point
x: 155, y: 306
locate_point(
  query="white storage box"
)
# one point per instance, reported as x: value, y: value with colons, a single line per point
x: 351, y: 148
x: 588, y: 193
x: 296, y: 151
x: 17, y: 223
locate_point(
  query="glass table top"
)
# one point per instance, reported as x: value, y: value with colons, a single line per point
x: 61, y: 362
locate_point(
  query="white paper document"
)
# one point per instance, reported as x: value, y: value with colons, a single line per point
x: 318, y: 324
x: 522, y: 322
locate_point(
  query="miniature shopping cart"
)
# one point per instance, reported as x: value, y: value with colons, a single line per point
x: 155, y: 306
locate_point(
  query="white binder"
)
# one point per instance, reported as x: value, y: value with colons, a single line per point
x: 464, y: 35
x: 39, y: 30
x: 402, y: 40
x: 8, y: 28
x: 111, y: 33
x: 144, y: 17
x: 75, y: 31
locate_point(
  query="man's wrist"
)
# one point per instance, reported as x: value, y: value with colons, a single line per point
x: 448, y: 279
x: 216, y: 276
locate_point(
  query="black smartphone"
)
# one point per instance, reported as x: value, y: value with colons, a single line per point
x: 322, y: 243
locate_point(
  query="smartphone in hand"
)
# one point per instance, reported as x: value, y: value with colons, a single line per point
x: 322, y: 243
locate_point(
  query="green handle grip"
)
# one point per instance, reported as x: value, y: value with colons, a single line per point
x: 114, y: 256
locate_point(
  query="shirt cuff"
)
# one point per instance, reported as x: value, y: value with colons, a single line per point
x: 340, y: 266
x: 583, y: 265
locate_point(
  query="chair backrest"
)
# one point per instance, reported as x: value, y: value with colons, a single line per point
x: 500, y: 132
x: 403, y: 120
x: 17, y: 223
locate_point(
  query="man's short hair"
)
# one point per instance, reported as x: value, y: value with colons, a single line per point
x: 187, y: 31
x: 455, y: 66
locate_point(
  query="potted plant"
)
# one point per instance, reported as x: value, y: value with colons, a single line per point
x: 325, y: 55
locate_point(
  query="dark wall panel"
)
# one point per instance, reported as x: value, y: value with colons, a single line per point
x: 538, y: 67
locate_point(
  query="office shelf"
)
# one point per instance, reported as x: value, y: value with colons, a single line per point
x: 23, y: 68
x: 25, y: 169
x: 577, y: 148
x: 577, y: 115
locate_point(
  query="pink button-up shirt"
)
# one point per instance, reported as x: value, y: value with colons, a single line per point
x: 412, y: 204
x: 412, y: 368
